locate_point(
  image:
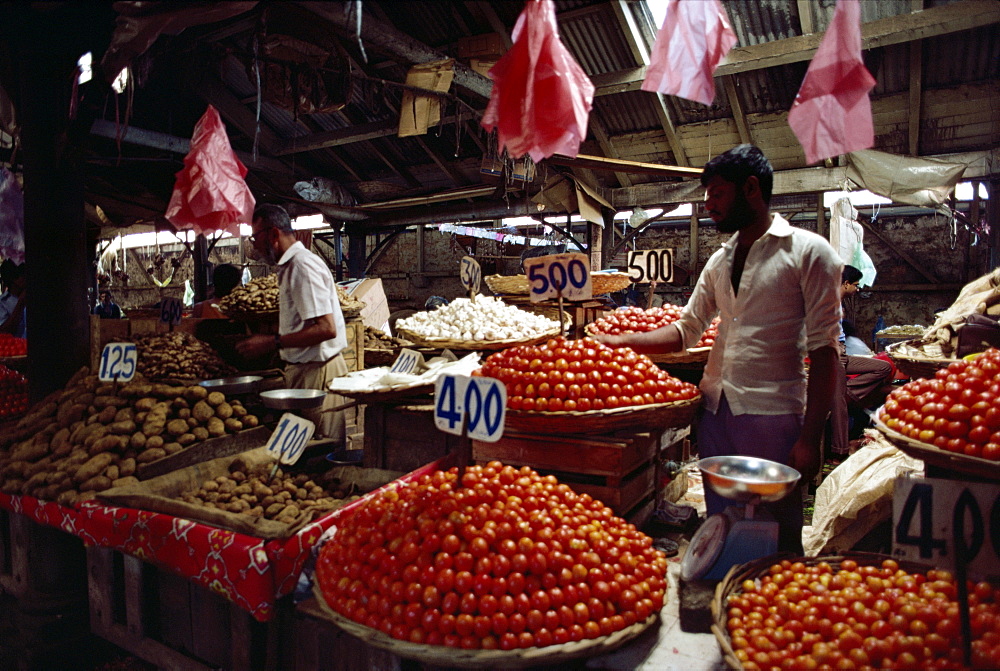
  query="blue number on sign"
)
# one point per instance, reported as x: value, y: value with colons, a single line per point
x: 474, y: 415
x: 446, y: 402
x: 535, y: 275
x: 578, y: 281
x: 113, y: 368
x: 104, y: 363
x: 494, y: 409
x: 281, y: 430
x: 559, y: 283
x: 130, y: 360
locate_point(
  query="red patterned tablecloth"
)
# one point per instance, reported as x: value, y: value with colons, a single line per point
x: 250, y: 572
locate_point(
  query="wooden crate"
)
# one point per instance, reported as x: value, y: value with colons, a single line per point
x: 354, y: 353
x: 617, y: 469
x: 38, y: 563
x: 173, y: 623
x: 402, y: 437
x: 322, y: 646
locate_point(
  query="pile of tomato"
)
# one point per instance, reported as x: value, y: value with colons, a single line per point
x: 957, y: 410
x: 13, y: 393
x: 11, y: 346
x: 502, y: 558
x: 808, y: 617
x: 581, y: 375
x: 636, y: 320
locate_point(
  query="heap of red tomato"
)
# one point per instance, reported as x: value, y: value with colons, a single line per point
x: 13, y: 393
x: 581, y: 375
x: 808, y: 617
x: 11, y: 346
x: 957, y: 410
x: 502, y: 559
x: 636, y: 320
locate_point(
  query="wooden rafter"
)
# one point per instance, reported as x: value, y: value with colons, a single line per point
x: 806, y: 16
x: 940, y: 20
x: 733, y: 96
x: 915, y: 92
x: 608, y: 148
x: 640, y: 53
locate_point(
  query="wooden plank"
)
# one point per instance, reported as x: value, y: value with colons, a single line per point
x: 240, y: 639
x: 171, y: 597
x: 100, y: 578
x: 620, y: 498
x: 916, y: 74
x: 805, y: 16
x: 616, y: 164
x: 729, y: 83
x: 211, y: 633
x: 608, y: 148
x: 135, y: 611
x: 591, y: 455
x: 213, y: 448
x: 941, y: 20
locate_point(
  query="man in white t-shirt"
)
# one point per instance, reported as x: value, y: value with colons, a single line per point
x: 776, y: 290
x: 311, y: 329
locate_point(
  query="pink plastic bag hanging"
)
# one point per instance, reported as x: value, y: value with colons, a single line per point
x: 832, y: 113
x: 210, y: 194
x: 541, y: 97
x: 693, y: 40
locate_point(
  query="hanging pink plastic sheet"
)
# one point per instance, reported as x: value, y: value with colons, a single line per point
x: 541, y: 97
x: 832, y: 113
x: 210, y: 194
x: 693, y: 40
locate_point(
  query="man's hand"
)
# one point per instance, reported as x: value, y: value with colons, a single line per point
x: 805, y: 458
x: 256, y: 346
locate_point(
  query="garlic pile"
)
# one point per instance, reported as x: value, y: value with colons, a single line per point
x: 486, y: 318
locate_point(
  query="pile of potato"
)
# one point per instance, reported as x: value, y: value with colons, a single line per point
x: 376, y: 339
x: 92, y: 436
x: 179, y: 356
x: 282, y: 498
x: 256, y: 296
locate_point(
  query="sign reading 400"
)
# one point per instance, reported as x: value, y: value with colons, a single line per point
x: 483, y: 399
x: 567, y: 275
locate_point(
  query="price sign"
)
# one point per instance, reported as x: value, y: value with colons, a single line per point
x: 118, y: 361
x: 288, y: 441
x: 470, y: 274
x: 482, y: 399
x: 408, y: 362
x: 567, y: 275
x: 935, y: 519
x: 170, y: 310
x: 651, y: 265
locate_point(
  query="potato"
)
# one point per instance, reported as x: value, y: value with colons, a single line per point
x: 195, y: 393
x: 154, y: 426
x: 96, y: 433
x: 145, y: 404
x: 272, y: 510
x: 233, y: 425
x: 113, y: 472
x: 200, y: 433
x: 67, y: 498
x: 172, y: 448
x: 140, y: 417
x: 215, y: 426
x: 215, y: 398
x: 70, y: 412
x: 202, y: 411
x: 138, y: 440
x: 126, y: 467
x: 106, y: 444
x: 250, y: 421
x: 93, y: 466
x: 192, y: 422
x: 125, y: 481
x: 60, y: 442
x: 151, y: 454
x: 97, y: 484
x: 177, y: 427
x: 183, y: 413
x: 223, y: 410
x: 154, y: 441
x: 124, y: 427
x: 124, y: 415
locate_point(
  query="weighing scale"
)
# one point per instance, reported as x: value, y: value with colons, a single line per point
x: 734, y: 536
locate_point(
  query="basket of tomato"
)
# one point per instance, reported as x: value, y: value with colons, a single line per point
x: 495, y: 568
x: 12, y: 347
x: 13, y: 393
x: 856, y: 610
x: 636, y: 320
x: 951, y: 419
x: 583, y: 386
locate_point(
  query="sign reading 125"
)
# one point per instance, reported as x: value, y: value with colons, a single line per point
x: 288, y: 441
x: 118, y: 361
x: 559, y: 274
x: 483, y: 399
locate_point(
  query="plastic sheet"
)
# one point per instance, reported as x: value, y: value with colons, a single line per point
x: 693, y: 40
x: 832, y: 113
x: 210, y: 194
x: 915, y: 181
x: 541, y: 97
x: 11, y: 218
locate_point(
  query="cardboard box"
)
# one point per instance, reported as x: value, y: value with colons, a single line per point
x: 482, y: 65
x: 376, y: 310
x: 489, y: 45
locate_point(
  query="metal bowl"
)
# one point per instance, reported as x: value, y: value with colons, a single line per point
x: 293, y: 399
x: 244, y: 384
x: 746, y: 478
x: 346, y: 457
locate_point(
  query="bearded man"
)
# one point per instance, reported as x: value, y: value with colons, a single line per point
x: 776, y: 289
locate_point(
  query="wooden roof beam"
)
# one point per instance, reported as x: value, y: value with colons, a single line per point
x: 736, y: 105
x: 608, y: 148
x: 638, y: 47
x: 941, y: 20
x: 915, y: 91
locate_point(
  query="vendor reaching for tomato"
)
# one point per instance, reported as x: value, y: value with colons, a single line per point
x: 776, y: 290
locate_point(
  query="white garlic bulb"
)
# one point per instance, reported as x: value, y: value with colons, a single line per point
x: 485, y: 319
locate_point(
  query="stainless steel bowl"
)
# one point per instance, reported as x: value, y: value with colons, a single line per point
x: 746, y: 478
x: 243, y: 384
x: 293, y: 399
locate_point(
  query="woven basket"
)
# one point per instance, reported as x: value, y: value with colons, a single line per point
x: 602, y: 283
x: 656, y: 416
x: 931, y: 454
x: 915, y: 366
x: 439, y: 655
x: 473, y: 345
x: 732, y: 584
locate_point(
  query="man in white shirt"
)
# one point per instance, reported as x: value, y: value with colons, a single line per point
x: 311, y: 329
x: 776, y: 291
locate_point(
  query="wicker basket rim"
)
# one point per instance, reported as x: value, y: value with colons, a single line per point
x: 893, y: 354
x: 439, y: 654
x: 899, y: 439
x: 609, y: 413
x: 477, y: 344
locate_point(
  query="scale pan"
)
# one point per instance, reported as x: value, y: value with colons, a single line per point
x: 746, y: 478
